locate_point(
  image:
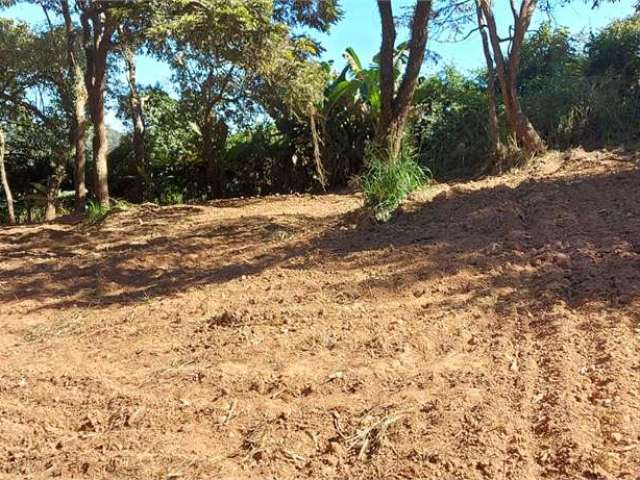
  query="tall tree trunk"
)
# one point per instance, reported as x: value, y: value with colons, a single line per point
x: 78, y: 130
x: 520, y: 128
x: 494, y: 139
x: 317, y: 153
x: 53, y: 188
x: 136, y: 170
x: 5, y: 181
x: 395, y: 107
x: 523, y: 130
x: 211, y: 160
x: 78, y: 121
x: 387, y: 80
x: 97, y: 33
x: 214, y: 138
x: 100, y: 146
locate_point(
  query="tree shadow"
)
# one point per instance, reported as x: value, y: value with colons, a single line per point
x: 565, y: 239
x: 574, y: 240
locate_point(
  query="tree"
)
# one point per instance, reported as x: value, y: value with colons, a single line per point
x: 213, y: 91
x: 614, y: 51
x: 507, y: 68
x: 5, y: 181
x: 235, y: 58
x: 396, y: 105
x: 99, y: 23
x: 100, y: 20
x: 136, y: 108
x: 76, y: 107
x: 69, y: 82
x: 33, y: 83
x: 495, y: 145
x: 256, y: 41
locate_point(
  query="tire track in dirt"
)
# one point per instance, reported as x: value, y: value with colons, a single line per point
x: 561, y: 441
x: 611, y: 327
x: 612, y: 370
x: 514, y: 371
x: 566, y: 416
x: 614, y: 352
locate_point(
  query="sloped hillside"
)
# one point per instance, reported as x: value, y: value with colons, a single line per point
x: 491, y: 331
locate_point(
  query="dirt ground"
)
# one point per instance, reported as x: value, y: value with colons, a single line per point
x: 491, y: 331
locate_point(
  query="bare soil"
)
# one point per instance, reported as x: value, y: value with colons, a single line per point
x: 490, y: 331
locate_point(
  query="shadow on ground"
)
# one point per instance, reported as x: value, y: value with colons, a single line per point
x: 573, y: 239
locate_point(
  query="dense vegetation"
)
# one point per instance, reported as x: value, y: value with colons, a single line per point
x: 253, y: 111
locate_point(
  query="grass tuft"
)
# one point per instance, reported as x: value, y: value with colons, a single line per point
x: 386, y: 182
x: 96, y: 212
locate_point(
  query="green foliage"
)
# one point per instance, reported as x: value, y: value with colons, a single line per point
x: 359, y: 87
x: 610, y: 114
x: 615, y: 51
x: 96, y: 212
x: 549, y: 52
x: 450, y: 125
x: 385, y: 183
x: 569, y: 96
x: 172, y: 196
x: 552, y: 84
x: 247, y: 83
x: 171, y: 145
x: 253, y: 160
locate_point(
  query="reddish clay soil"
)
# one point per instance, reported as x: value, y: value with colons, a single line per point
x: 490, y: 331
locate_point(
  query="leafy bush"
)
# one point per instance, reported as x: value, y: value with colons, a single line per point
x: 552, y: 85
x: 557, y: 107
x: 252, y: 159
x: 172, y: 196
x: 450, y: 125
x: 614, y: 51
x: 171, y: 155
x: 613, y: 111
x: 385, y: 184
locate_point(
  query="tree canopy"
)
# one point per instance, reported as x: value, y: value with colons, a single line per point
x: 251, y: 108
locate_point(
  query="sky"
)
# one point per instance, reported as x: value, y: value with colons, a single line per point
x: 360, y: 29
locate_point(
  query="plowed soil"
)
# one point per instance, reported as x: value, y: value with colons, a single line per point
x: 490, y: 331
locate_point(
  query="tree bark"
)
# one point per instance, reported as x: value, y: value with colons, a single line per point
x: 317, y: 152
x: 78, y: 134
x: 5, y: 182
x: 53, y: 189
x: 395, y: 107
x: 136, y: 169
x: 520, y: 128
x: 100, y: 146
x: 214, y: 137
x: 97, y: 33
x: 387, y: 80
x: 494, y: 139
x: 78, y: 121
x: 208, y: 155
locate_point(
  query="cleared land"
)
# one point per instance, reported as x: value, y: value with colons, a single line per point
x: 490, y: 332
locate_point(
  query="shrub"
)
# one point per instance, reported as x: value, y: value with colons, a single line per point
x: 450, y: 126
x: 172, y: 196
x: 614, y: 51
x: 385, y: 183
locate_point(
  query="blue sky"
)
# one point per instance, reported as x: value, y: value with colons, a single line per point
x: 360, y: 29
